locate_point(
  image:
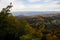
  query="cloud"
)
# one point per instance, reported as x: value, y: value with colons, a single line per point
x: 4, y: 3
x: 18, y: 7
x: 16, y: 4
x: 50, y: 7
x: 34, y: 0
x: 32, y: 5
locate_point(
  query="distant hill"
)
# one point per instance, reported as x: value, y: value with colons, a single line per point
x: 52, y: 21
x: 31, y: 16
x: 55, y: 16
x: 29, y: 13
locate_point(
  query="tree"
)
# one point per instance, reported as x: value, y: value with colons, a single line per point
x: 25, y: 28
x: 8, y: 24
x: 4, y: 15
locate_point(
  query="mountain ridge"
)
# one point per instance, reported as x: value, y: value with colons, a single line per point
x: 29, y: 13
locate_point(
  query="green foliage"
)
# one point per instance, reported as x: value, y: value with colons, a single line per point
x: 8, y: 24
x: 25, y: 28
x: 28, y: 37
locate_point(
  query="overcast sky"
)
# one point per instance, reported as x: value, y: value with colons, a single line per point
x: 32, y: 5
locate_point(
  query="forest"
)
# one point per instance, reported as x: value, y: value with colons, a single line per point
x: 28, y: 28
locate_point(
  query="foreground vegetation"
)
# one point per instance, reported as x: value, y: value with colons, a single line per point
x: 35, y: 28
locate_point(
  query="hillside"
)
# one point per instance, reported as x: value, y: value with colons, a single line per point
x: 50, y: 20
x: 32, y: 13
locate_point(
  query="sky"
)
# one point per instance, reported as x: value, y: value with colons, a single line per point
x: 32, y: 5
